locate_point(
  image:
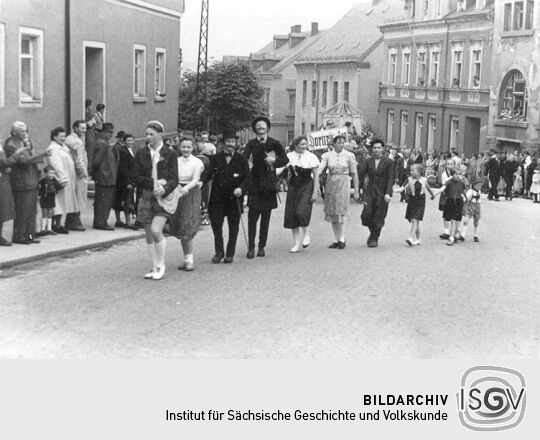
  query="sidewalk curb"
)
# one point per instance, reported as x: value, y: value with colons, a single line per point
x: 61, y: 252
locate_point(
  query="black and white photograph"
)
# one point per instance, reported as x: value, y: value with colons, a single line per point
x: 300, y: 180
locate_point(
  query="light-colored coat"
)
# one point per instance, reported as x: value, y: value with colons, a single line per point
x: 62, y: 161
x: 80, y: 158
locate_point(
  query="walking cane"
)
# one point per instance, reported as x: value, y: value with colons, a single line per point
x: 242, y: 221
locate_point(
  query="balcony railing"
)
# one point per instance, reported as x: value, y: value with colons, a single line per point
x: 474, y: 97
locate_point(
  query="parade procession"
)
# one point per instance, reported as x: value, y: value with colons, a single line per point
x: 363, y: 184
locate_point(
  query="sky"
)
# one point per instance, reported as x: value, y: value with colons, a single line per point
x: 239, y: 27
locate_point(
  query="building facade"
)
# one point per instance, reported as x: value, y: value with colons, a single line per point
x: 344, y: 65
x: 56, y: 54
x: 435, y: 90
x: 515, y: 115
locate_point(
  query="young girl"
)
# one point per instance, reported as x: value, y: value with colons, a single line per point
x: 48, y: 187
x: 454, y: 188
x: 535, y: 186
x: 416, y: 187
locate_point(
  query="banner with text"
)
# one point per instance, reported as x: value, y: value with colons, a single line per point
x: 319, y: 140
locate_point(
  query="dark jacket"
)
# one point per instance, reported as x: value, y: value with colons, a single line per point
x: 380, y: 179
x: 104, y: 164
x: 24, y: 174
x: 259, y: 152
x: 494, y: 168
x: 509, y: 168
x: 125, y: 165
x: 226, y: 177
x: 167, y: 169
x: 262, y: 187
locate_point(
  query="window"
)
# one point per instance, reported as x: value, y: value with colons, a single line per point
x: 457, y: 65
x: 454, y: 132
x: 267, y: 98
x: 392, y: 57
x: 406, y: 67
x: 324, y: 93
x: 313, y: 93
x: 418, y: 130
x: 480, y: 4
x: 160, y: 72
x: 346, y: 87
x: 476, y: 67
x: 304, y: 93
x: 139, y: 71
x: 421, y: 74
x: 31, y: 66
x: 390, y: 127
x: 312, y: 126
x: 434, y: 69
x: 432, y: 127
x: 336, y: 91
x: 403, y: 128
x: 2, y: 63
x: 292, y: 104
x: 303, y: 128
x: 513, y: 103
x: 518, y: 15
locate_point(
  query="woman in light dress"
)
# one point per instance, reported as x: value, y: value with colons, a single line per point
x: 341, y: 165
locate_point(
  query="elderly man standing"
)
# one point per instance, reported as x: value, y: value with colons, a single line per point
x: 105, y: 170
x: 75, y: 142
x: 24, y: 178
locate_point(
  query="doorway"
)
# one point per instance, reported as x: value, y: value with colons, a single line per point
x: 471, y: 144
x: 94, y: 73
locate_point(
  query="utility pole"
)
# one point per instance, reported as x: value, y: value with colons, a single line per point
x: 202, y: 69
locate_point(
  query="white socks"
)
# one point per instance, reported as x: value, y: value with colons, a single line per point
x: 44, y: 224
x: 152, y: 252
x: 160, y: 248
x: 464, y: 230
x: 188, y: 258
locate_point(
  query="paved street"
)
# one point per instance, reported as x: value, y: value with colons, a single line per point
x: 433, y: 301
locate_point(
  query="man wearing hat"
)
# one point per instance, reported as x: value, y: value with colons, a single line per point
x: 266, y: 154
x: 229, y: 172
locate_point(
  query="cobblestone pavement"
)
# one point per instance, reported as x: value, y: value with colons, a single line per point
x: 473, y: 300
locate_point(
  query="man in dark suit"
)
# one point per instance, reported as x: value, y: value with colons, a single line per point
x: 380, y: 172
x: 266, y: 154
x: 105, y: 169
x: 124, y: 199
x: 493, y: 171
x: 229, y: 172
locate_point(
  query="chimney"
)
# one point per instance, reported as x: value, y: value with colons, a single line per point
x: 314, y: 28
x: 296, y: 29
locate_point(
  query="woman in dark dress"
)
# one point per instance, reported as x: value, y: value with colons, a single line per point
x: 303, y: 169
x: 7, y: 209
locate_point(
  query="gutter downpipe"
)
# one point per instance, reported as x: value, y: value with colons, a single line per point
x: 67, y: 61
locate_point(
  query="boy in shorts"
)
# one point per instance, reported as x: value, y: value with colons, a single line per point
x: 472, y: 210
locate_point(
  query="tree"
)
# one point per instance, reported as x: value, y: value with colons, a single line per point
x: 234, y: 98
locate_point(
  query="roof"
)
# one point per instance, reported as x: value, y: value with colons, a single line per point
x: 342, y: 108
x: 285, y: 54
x: 354, y: 35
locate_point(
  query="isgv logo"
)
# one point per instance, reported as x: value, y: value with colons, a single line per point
x: 491, y: 398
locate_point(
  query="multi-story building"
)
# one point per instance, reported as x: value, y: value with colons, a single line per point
x: 515, y: 115
x: 56, y: 54
x: 435, y: 91
x: 343, y: 66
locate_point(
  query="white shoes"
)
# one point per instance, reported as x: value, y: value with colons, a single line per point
x: 295, y: 250
x: 155, y: 274
x: 158, y: 273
